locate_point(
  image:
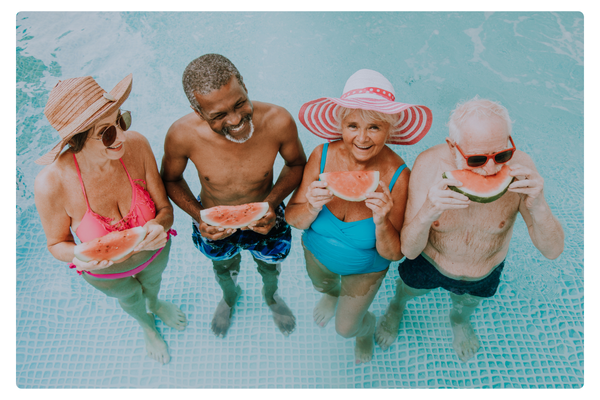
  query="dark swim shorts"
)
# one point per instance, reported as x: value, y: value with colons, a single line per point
x: 270, y: 248
x: 421, y: 274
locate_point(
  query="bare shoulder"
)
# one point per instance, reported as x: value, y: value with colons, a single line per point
x: 430, y: 155
x: 139, y: 141
x: 276, y: 119
x: 49, y: 181
x: 182, y: 129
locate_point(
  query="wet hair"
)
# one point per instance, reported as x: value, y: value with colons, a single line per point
x: 77, y: 142
x: 479, y: 107
x: 207, y: 73
x: 367, y: 115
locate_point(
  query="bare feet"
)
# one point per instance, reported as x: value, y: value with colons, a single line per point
x: 170, y: 314
x: 363, y: 351
x: 388, y: 326
x: 155, y: 345
x: 465, y: 342
x: 325, y: 310
x: 282, y: 315
x: 222, y: 317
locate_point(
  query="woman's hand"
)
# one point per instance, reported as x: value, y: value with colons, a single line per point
x: 380, y: 203
x: 318, y: 196
x: 156, y: 237
x: 90, y: 266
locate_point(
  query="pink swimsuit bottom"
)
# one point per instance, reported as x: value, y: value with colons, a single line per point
x: 93, y: 225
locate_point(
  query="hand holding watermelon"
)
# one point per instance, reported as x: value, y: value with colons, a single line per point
x: 219, y: 222
x: 156, y: 237
x: 92, y: 265
x: 528, y: 184
x: 318, y: 196
x: 264, y: 224
x: 440, y: 198
x: 380, y: 203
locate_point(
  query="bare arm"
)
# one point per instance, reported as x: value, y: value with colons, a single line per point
x: 157, y: 227
x: 293, y: 155
x: 388, y: 216
x: 428, y: 198
x: 300, y: 213
x: 544, y: 229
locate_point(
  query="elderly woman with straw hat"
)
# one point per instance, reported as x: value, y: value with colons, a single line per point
x: 106, y: 181
x: 348, y: 246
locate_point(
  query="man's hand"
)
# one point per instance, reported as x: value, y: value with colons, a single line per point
x: 265, y: 224
x: 440, y: 198
x: 214, y: 232
x: 529, y: 185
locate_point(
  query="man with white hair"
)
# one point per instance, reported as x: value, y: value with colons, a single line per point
x: 460, y: 245
x: 233, y: 142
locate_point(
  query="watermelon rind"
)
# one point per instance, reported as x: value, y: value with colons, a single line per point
x: 479, y: 197
x: 83, y: 250
x: 336, y: 193
x: 205, y: 215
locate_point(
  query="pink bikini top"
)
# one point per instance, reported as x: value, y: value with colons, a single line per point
x: 93, y: 225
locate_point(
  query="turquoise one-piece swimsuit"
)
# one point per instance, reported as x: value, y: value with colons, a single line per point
x: 345, y: 248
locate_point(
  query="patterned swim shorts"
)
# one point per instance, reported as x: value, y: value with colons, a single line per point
x: 270, y: 248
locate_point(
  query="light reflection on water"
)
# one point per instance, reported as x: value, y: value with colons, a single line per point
x: 69, y: 335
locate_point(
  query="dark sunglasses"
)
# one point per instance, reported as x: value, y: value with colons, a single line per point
x: 501, y: 157
x: 108, y: 135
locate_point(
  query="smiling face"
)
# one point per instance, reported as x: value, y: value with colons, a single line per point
x: 94, y: 142
x: 364, y: 139
x: 228, y: 111
x: 481, y: 135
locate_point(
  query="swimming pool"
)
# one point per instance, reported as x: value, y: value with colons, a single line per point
x: 531, y: 332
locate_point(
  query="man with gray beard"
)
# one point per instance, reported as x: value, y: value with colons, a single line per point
x: 457, y: 244
x: 233, y: 142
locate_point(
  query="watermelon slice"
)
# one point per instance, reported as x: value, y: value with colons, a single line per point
x: 112, y: 246
x: 234, y: 216
x: 479, y: 188
x: 351, y: 185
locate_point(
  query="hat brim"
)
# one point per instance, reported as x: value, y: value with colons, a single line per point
x: 85, y: 121
x: 319, y: 117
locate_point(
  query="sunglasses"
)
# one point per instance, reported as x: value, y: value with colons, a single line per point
x: 501, y: 157
x: 108, y: 134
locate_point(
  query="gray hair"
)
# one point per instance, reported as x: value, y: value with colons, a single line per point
x: 367, y: 115
x: 207, y: 73
x: 479, y: 107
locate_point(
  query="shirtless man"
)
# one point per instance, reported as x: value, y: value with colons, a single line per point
x: 233, y: 143
x: 460, y: 245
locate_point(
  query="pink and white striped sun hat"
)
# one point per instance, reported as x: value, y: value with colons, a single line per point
x: 367, y: 90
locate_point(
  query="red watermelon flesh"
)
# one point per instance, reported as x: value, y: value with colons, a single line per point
x: 112, y: 246
x: 234, y: 216
x: 479, y: 188
x: 351, y: 185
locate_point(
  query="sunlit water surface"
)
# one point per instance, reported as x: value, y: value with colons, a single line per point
x: 531, y: 331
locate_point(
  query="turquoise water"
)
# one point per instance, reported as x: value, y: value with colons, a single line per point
x: 531, y: 332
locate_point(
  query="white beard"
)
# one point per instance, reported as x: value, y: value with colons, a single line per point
x: 241, y: 140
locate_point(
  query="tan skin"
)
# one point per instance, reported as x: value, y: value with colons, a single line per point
x: 234, y: 173
x: 467, y: 240
x: 61, y: 205
x: 362, y: 148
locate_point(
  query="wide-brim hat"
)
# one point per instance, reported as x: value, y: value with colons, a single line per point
x: 367, y: 90
x: 75, y: 104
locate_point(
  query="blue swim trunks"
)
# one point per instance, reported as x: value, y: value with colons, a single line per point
x: 270, y: 248
x: 421, y: 274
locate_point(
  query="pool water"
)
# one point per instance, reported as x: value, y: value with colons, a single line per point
x: 71, y: 336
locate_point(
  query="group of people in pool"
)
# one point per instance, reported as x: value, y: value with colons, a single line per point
x: 108, y: 180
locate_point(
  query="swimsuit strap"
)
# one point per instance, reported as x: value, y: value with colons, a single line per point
x: 324, y: 156
x: 396, y: 175
x: 133, y: 191
x: 81, y: 182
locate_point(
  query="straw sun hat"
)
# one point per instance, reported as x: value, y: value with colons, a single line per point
x: 74, y: 105
x: 367, y: 90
